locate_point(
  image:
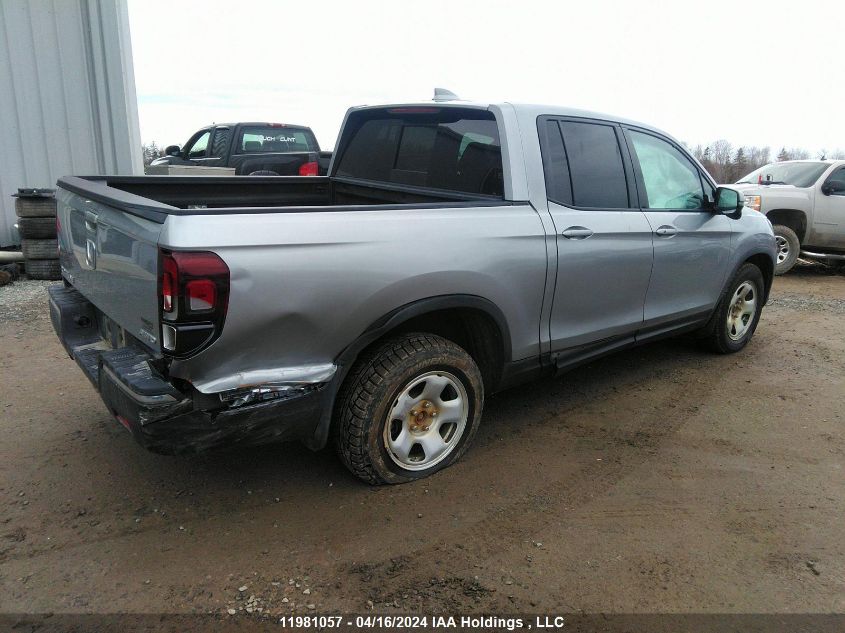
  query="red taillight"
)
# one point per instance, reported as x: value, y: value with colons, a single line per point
x: 169, y: 276
x: 124, y: 422
x: 309, y: 169
x: 194, y: 299
x: 202, y: 295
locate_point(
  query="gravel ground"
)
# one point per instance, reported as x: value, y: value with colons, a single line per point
x: 24, y: 299
x: 661, y: 479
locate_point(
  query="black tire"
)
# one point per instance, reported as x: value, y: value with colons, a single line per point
x: 718, y: 335
x: 789, y: 247
x: 37, y: 228
x: 35, y: 207
x: 372, y: 390
x: 40, y: 249
x: 12, y: 269
x: 264, y: 172
x: 43, y: 269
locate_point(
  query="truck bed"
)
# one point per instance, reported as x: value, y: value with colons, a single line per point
x: 156, y: 197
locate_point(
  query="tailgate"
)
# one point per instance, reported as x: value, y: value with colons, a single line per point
x: 111, y: 257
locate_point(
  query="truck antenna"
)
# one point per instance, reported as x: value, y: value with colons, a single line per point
x: 441, y: 94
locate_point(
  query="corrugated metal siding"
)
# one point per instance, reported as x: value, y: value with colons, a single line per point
x: 67, y: 95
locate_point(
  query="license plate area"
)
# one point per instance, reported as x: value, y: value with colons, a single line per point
x: 110, y: 331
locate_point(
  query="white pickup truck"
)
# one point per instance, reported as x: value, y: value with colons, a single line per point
x: 805, y: 202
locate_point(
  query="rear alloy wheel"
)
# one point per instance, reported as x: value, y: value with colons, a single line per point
x: 788, y: 248
x: 426, y: 421
x: 735, y: 319
x: 408, y: 408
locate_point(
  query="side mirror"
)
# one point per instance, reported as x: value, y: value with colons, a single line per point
x: 172, y: 150
x: 728, y: 201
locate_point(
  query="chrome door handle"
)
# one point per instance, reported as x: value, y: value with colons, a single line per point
x: 576, y: 233
x: 666, y: 231
x: 91, y: 253
x: 91, y: 221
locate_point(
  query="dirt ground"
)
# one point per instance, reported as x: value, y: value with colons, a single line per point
x: 662, y: 479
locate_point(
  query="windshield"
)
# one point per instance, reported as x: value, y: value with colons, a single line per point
x: 801, y: 174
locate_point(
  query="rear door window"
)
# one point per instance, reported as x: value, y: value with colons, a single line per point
x: 555, y: 165
x: 595, y: 165
x: 583, y: 163
x: 456, y: 149
x: 278, y: 139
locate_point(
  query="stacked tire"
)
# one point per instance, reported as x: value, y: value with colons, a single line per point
x: 36, y: 211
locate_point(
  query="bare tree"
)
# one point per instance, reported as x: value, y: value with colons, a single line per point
x: 740, y: 165
x: 727, y: 165
x: 758, y: 156
x: 720, y: 155
x: 150, y: 151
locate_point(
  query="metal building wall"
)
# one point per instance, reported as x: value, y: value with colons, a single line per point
x: 67, y: 95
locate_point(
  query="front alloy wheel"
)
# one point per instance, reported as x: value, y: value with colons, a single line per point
x: 742, y: 310
x: 738, y: 312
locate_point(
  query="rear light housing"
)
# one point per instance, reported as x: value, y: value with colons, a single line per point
x: 309, y: 169
x: 193, y: 300
x: 414, y: 110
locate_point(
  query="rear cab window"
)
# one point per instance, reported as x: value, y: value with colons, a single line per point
x: 455, y: 149
x: 254, y: 139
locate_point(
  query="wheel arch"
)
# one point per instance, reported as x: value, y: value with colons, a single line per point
x: 429, y: 315
x: 792, y: 218
x: 473, y: 322
x: 764, y: 262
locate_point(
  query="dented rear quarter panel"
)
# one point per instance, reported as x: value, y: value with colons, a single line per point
x: 304, y: 286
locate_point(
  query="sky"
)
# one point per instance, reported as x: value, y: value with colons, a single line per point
x: 755, y: 73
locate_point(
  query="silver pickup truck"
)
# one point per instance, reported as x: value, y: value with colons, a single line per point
x: 454, y: 249
x: 805, y: 201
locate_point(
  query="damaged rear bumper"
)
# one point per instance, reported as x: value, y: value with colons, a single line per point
x: 161, y: 417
